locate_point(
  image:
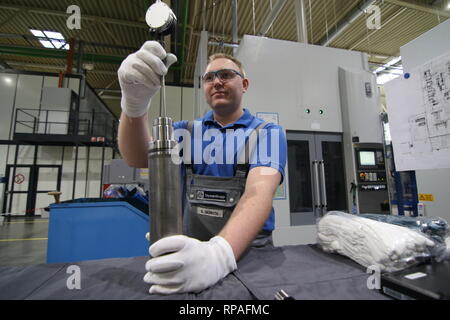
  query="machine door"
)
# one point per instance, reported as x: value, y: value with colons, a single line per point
x: 28, y: 187
x: 302, y: 200
x: 316, y: 176
x: 329, y: 152
x: 17, y: 189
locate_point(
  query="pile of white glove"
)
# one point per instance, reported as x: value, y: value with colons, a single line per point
x: 371, y: 243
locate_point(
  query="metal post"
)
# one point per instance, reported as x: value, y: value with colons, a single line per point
x: 91, y: 126
x: 414, y: 192
x: 234, y: 19
x: 75, y: 171
x: 16, y: 155
x: 62, y: 165
x: 46, y: 121
x: 88, y: 155
x: 270, y: 19
x: 80, y: 57
x: 5, y: 191
x: 32, y: 186
x: 204, y: 15
x: 101, y: 170
x: 15, y: 123
x: 302, y: 34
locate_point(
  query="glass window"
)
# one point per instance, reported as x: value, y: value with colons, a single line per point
x: 300, y: 193
x: 334, y: 175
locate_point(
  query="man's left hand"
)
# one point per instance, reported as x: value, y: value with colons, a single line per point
x: 182, y: 264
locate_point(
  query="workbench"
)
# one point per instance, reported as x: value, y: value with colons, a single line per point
x: 303, y: 271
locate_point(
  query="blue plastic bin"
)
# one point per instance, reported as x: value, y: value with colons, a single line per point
x: 96, y: 230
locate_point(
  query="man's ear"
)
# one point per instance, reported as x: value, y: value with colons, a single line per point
x: 245, y: 84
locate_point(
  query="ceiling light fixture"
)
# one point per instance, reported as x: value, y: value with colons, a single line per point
x: 51, y: 39
x: 8, y: 80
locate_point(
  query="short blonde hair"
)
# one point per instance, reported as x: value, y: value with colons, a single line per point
x: 227, y: 56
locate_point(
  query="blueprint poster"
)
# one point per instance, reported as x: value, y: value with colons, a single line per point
x: 419, y: 116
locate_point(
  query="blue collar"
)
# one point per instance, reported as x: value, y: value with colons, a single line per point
x: 244, y: 121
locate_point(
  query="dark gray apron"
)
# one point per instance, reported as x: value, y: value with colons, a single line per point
x: 210, y: 200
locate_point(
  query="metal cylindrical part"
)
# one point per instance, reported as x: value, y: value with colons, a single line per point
x: 162, y: 129
x: 165, y: 182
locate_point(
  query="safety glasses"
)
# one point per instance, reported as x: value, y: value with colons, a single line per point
x: 223, y: 75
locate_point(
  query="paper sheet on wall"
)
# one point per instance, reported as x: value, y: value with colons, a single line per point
x: 271, y: 117
x: 419, y: 116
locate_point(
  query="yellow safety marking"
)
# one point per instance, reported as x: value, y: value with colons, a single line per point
x: 425, y: 197
x: 23, y: 222
x: 28, y: 239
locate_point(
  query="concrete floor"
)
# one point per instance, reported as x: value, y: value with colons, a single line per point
x: 23, y: 241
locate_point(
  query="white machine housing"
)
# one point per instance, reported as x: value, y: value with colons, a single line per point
x: 429, y: 45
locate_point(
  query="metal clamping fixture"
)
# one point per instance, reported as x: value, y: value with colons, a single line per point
x: 165, y: 181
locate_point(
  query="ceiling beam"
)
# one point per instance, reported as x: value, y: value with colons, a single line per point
x: 55, y: 67
x: 111, y: 35
x: 84, y: 16
x: 11, y: 17
x: 357, y: 11
x: 57, y: 54
x: 95, y: 44
x: 371, y: 33
x: 4, y: 65
x: 420, y: 7
x: 270, y: 19
x: 108, y: 87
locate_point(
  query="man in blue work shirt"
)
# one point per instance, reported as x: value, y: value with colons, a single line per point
x: 230, y: 183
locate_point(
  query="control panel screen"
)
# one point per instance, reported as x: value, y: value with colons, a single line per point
x: 367, y: 158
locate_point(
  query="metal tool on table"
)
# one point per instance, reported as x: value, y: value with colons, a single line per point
x: 164, y: 165
x: 282, y: 295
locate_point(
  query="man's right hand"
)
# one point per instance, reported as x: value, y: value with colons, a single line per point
x: 140, y: 77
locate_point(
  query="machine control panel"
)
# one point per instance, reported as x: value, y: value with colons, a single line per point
x: 370, y: 167
x: 371, y: 178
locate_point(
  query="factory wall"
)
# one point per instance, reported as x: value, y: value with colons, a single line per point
x: 88, y: 173
x: 7, y: 94
x: 25, y: 91
x: 179, y: 104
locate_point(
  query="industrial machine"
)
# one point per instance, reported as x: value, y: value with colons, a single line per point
x: 328, y: 102
x: 118, y: 172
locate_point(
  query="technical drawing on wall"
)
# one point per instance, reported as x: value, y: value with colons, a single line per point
x: 436, y: 85
x: 419, y: 110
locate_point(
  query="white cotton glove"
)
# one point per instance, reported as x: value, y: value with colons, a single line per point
x: 182, y: 264
x: 140, y: 77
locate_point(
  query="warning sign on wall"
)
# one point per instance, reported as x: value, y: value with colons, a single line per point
x: 425, y: 197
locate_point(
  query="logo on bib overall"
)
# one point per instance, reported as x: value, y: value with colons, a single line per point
x: 212, y: 195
